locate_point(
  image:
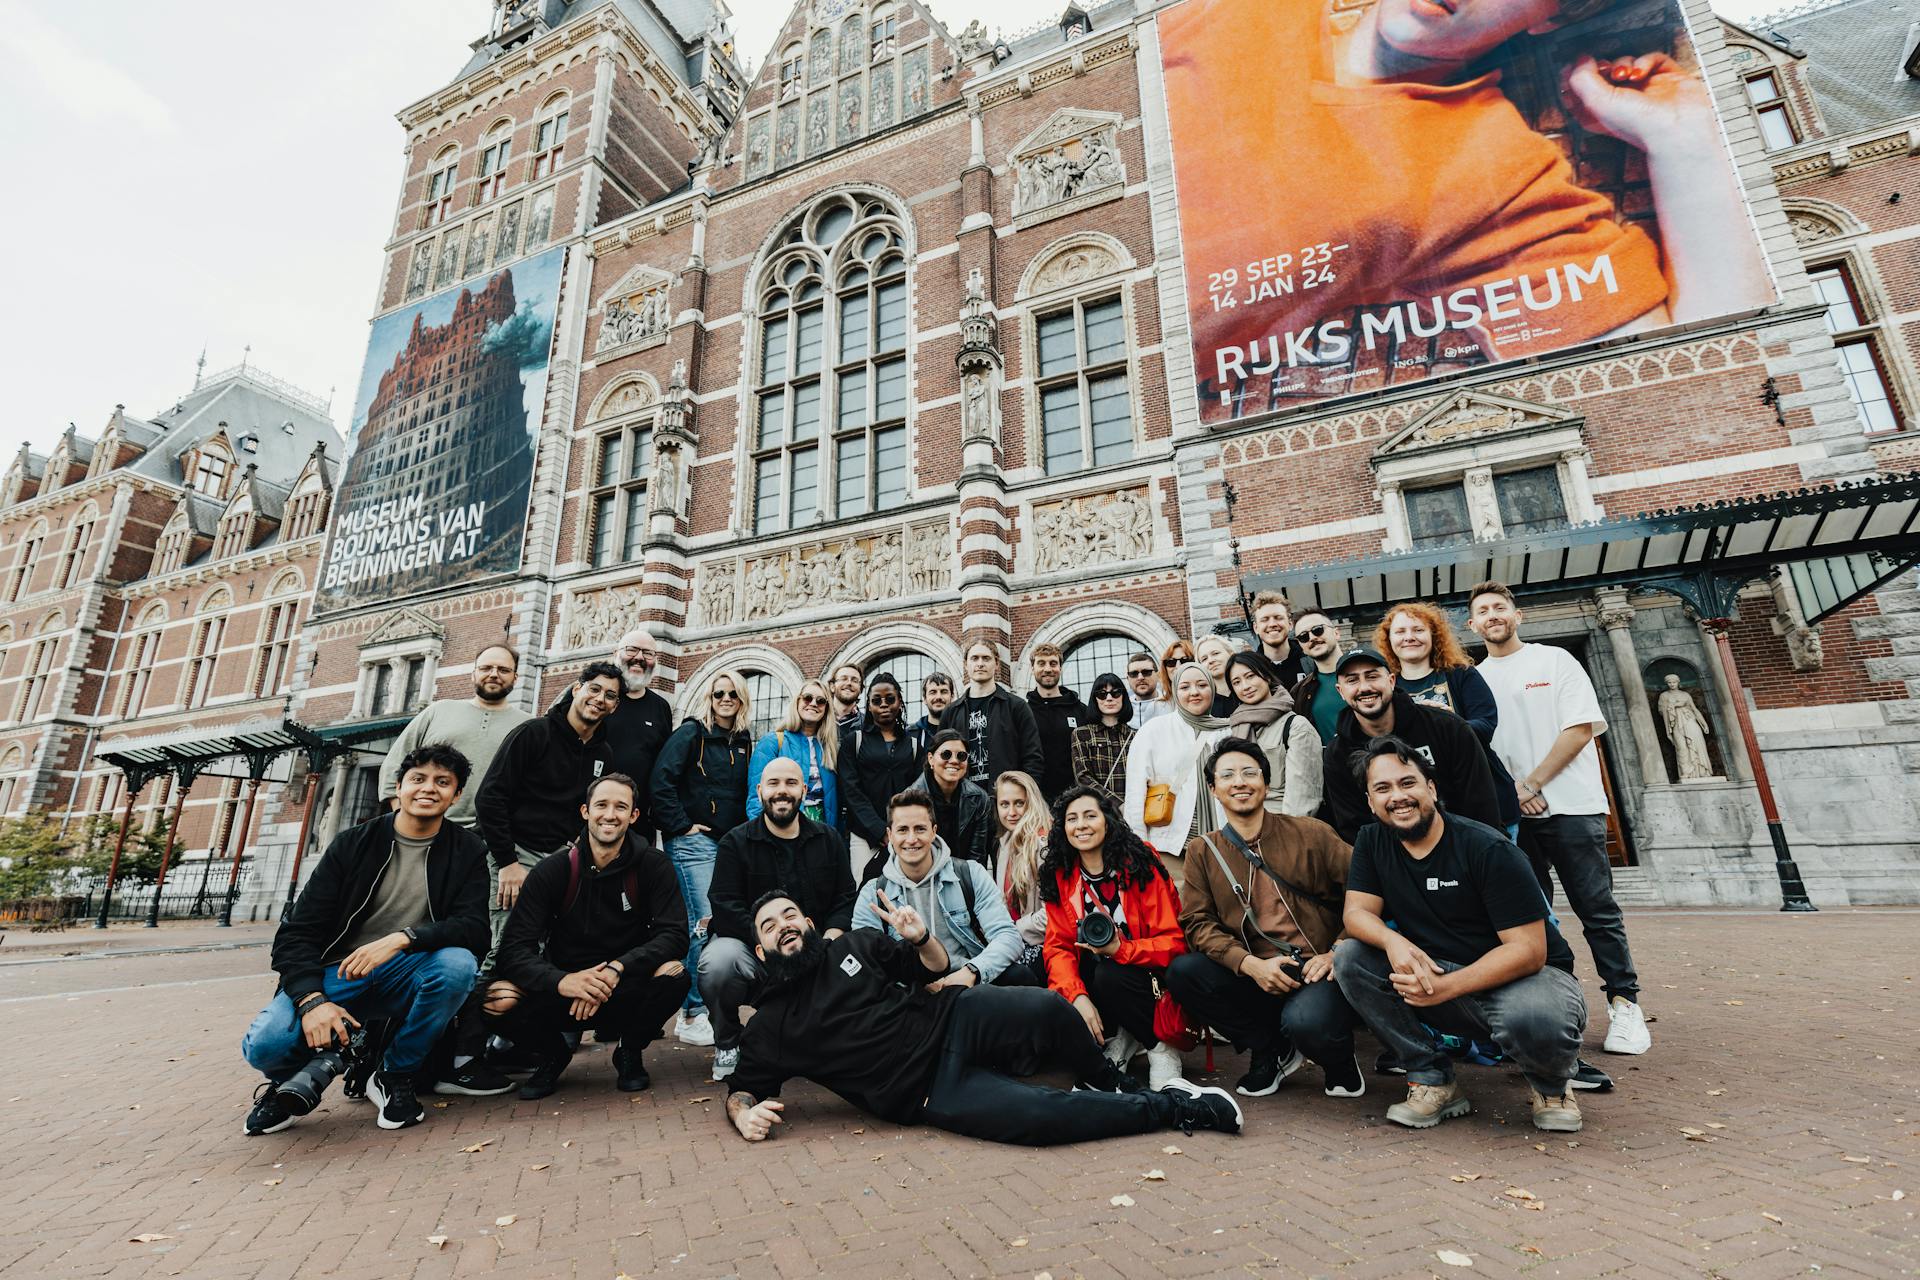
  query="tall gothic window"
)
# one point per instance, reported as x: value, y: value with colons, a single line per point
x: 446, y: 170
x: 27, y: 559
x: 79, y: 543
x: 495, y: 149
x: 145, y: 655
x: 622, y: 460
x: 276, y: 647
x: 1086, y: 410
x: 208, y: 635
x: 33, y: 690
x: 863, y: 396
x: 550, y: 138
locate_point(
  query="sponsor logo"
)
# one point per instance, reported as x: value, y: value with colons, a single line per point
x: 1435, y: 882
x: 850, y: 966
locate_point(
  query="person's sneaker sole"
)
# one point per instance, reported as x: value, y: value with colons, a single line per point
x: 1458, y: 1107
x: 248, y: 1132
x: 1357, y: 1090
x: 447, y: 1088
x: 1591, y: 1078
x: 1201, y: 1090
x: 1287, y: 1068
x: 378, y: 1097
x: 1556, y: 1125
x: 689, y: 1036
x: 1623, y: 1047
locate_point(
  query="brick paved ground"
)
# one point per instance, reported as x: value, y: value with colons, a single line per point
x: 1787, y: 1043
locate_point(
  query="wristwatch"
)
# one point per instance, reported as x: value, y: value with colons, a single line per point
x: 413, y: 936
x: 974, y: 969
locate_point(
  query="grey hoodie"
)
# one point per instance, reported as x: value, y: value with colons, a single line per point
x: 941, y: 902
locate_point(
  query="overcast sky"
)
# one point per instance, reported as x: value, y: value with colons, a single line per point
x: 222, y: 175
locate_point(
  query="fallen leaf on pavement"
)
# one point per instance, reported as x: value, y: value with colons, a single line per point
x: 1856, y: 1159
x: 1736, y: 1002
x: 567, y: 1143
x: 438, y: 1242
x: 480, y: 1145
x: 1121, y: 1202
x: 1531, y: 1248
x: 442, y: 1105
x: 273, y: 1182
x: 1714, y: 1093
x: 1153, y: 1175
x: 1535, y: 1204
x: 1712, y: 1125
x: 535, y: 1168
x: 1539, y: 1146
x: 859, y: 1130
x: 148, y: 1237
x: 1454, y: 1258
x: 705, y: 1097
x: 1775, y: 1221
x: 1468, y: 1177
x: 1169, y: 1151
x: 1021, y: 1243
x: 1521, y: 1193
x: 1692, y: 1133
x: 506, y: 1220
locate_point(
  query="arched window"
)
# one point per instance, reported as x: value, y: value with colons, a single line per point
x: 171, y: 552
x: 769, y: 697
x: 550, y: 137
x: 441, y: 177
x: 26, y: 560
x: 495, y: 149
x: 1078, y: 343
x: 73, y: 567
x: 909, y: 668
x: 40, y: 663
x: 621, y: 462
x: 792, y: 69
x: 1086, y: 660
x: 13, y: 768
x: 212, y: 465
x: 209, y: 633
x: 277, y: 629
x: 144, y: 652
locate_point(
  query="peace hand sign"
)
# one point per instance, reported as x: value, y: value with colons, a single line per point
x: 904, y: 920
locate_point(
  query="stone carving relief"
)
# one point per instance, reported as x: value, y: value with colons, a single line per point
x: 857, y: 570
x: 635, y: 310
x: 1097, y: 529
x: 1075, y: 266
x: 632, y: 396
x: 1483, y: 507
x: 1071, y: 162
x: 1809, y: 228
x: 665, y: 488
x: 595, y: 619
x: 980, y: 364
x: 1805, y: 649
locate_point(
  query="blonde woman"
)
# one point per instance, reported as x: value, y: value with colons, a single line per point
x: 809, y: 738
x: 1165, y: 763
x: 1212, y: 653
x: 1021, y: 821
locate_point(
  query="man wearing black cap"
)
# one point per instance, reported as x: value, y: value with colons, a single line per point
x: 1375, y: 709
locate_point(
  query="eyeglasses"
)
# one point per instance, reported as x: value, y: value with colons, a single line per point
x: 812, y: 700
x: 955, y: 757
x: 728, y: 696
x: 1140, y: 673
x: 1109, y: 692
x: 1311, y: 633
x: 1169, y: 663
x: 882, y: 699
x: 630, y: 652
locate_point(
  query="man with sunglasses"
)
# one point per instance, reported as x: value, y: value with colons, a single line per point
x: 1316, y: 695
x: 1143, y: 677
x: 641, y: 720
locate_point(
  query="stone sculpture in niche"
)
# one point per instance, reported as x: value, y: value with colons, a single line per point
x: 1687, y: 732
x: 1102, y: 529
x: 634, y: 318
x: 595, y: 615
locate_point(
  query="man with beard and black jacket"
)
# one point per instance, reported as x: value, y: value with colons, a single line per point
x: 529, y: 804
x: 391, y: 924
x: 596, y: 941
x: 1377, y: 709
x: 640, y: 722
x: 782, y: 848
x: 853, y: 1013
x: 999, y: 728
x: 1057, y: 712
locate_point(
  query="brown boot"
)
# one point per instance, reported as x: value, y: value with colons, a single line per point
x: 1428, y: 1104
x: 1558, y: 1114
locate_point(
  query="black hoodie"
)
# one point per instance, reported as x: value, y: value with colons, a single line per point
x: 544, y: 941
x: 1452, y: 748
x: 538, y: 780
x: 1057, y: 718
x: 700, y: 779
x: 342, y: 885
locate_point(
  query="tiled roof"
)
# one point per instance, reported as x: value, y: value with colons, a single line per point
x: 1855, y: 54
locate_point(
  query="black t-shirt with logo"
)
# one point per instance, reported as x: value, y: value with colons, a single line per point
x: 1453, y: 903
x: 862, y: 1024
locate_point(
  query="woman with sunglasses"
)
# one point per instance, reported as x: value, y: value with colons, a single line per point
x: 1100, y: 745
x: 1289, y: 741
x: 1171, y: 657
x: 1167, y: 800
x: 879, y: 758
x: 809, y: 738
x: 1020, y: 825
x: 699, y: 790
x: 1096, y: 865
x: 962, y: 810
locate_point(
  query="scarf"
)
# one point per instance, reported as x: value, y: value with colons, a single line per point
x: 1196, y: 769
x: 1198, y: 723
x: 1255, y: 716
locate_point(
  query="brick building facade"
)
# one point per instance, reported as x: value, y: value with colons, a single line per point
x: 888, y: 349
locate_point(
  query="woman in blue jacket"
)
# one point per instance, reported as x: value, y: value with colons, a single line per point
x: 809, y: 738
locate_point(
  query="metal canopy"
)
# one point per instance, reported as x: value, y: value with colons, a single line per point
x: 1849, y: 539
x: 187, y: 754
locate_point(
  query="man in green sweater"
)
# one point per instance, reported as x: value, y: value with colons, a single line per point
x: 474, y: 727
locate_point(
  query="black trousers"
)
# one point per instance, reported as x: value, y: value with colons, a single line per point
x: 996, y: 1033
x: 1317, y: 1018
x: 636, y: 1012
x: 1123, y: 993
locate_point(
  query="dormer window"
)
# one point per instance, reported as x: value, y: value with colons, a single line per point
x: 234, y: 531
x: 1074, y: 23
x: 1770, y: 108
x: 210, y: 471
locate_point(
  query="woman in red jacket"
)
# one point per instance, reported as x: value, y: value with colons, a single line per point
x: 1096, y: 865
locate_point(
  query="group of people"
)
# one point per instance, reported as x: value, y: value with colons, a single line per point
x: 1276, y: 843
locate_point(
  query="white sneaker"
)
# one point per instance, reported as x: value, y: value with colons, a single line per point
x: 1163, y: 1066
x: 697, y: 1030
x: 724, y: 1061
x: 1626, y: 1027
x: 1121, y: 1048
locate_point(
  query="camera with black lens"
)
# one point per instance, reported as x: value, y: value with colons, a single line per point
x: 1096, y: 929
x: 301, y: 1091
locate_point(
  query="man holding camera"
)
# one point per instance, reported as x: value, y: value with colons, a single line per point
x: 595, y: 941
x: 1261, y: 907
x: 392, y: 924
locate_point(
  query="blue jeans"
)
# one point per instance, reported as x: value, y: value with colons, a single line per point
x: 692, y: 856
x: 424, y: 990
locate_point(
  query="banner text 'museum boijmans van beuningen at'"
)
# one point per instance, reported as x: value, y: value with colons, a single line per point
x: 1372, y: 195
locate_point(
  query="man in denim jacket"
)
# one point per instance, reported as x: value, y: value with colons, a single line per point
x: 967, y: 915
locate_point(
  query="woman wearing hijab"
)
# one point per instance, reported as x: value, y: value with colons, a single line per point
x: 1289, y: 741
x: 1100, y: 745
x: 1167, y: 801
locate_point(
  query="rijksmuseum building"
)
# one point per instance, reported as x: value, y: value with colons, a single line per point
x: 927, y: 333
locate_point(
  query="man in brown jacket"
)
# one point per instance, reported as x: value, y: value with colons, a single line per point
x: 1261, y: 906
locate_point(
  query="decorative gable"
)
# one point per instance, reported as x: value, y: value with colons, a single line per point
x: 1473, y: 415
x: 402, y: 625
x: 1071, y: 162
x: 636, y: 313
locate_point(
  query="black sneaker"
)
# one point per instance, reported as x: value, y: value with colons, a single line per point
x: 1112, y: 1079
x: 1388, y: 1064
x: 1203, y: 1106
x: 630, y: 1074
x: 545, y: 1078
x: 1343, y: 1080
x: 1588, y: 1076
x: 475, y: 1080
x: 1266, y: 1072
x: 393, y: 1094
x: 270, y: 1113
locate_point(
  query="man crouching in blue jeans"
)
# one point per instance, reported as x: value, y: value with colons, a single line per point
x: 1470, y: 951
x: 392, y: 924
